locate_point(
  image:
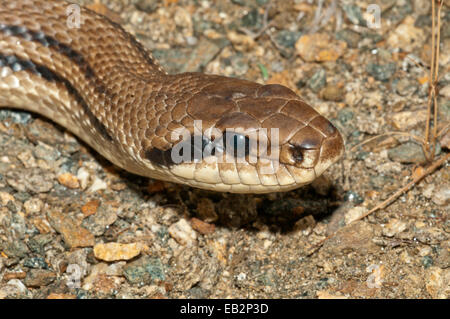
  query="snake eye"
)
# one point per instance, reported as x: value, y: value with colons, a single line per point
x: 297, y: 154
x: 236, y: 144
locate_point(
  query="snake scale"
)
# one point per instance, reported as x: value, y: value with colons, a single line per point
x: 206, y: 131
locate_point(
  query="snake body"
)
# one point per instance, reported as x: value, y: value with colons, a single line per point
x: 97, y: 81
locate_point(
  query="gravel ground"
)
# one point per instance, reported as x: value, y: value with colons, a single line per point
x: 74, y: 226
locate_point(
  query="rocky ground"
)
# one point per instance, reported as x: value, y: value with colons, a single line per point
x: 74, y: 226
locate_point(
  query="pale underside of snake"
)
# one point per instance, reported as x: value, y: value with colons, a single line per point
x: 97, y: 81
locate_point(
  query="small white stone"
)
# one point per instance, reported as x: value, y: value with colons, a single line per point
x: 18, y: 284
x: 354, y: 213
x: 83, y: 177
x: 183, y: 233
x: 97, y: 185
x: 394, y: 227
x: 242, y: 276
x: 33, y: 205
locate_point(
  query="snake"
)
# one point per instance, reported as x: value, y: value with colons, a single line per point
x: 86, y: 73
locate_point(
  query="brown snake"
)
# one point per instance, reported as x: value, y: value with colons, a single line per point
x: 97, y: 81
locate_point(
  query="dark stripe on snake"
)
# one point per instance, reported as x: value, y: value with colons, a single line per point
x: 17, y: 64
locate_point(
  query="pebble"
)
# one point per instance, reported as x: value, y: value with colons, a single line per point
x: 147, y: 6
x: 73, y: 234
x: 202, y: 227
x: 355, y: 237
x: 287, y: 39
x: 14, y: 288
x: 5, y: 198
x: 183, y: 233
x: 351, y: 196
x: 325, y: 294
x: 441, y: 196
x: 422, y: 6
x: 406, y: 36
x: 425, y: 251
x: 14, y: 275
x: 352, y: 38
x: 427, y: 261
x: 393, y: 227
x: 68, y: 180
x: 44, y: 132
x: 182, y: 19
x: 319, y: 47
x: 27, y: 159
x: 39, y: 277
x: 304, y: 223
x: 99, y: 222
x: 437, y: 283
x: 408, y: 152
x: 241, y: 42
x: 30, y: 179
x: 429, y: 235
x: 33, y: 205
x: 443, y: 258
x: 406, y: 87
x: 117, y: 251
x: 90, y: 208
x: 83, y: 177
x: 61, y: 296
x: 445, y: 91
x: 101, y: 278
x: 251, y: 19
x: 145, y: 270
x: 318, y: 80
x: 97, y: 185
x: 333, y: 93
x: 36, y: 263
x: 16, y: 248
x: 46, y: 152
x: 18, y: 117
x: 381, y: 72
x: 354, y: 213
x: 428, y: 190
x: 353, y: 13
x: 345, y: 115
x: 408, y: 119
x: 37, y: 243
x: 22, y: 196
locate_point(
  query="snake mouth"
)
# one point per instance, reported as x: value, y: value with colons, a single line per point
x: 269, y: 174
x: 232, y: 160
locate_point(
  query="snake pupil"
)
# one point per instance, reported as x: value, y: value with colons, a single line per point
x: 297, y: 154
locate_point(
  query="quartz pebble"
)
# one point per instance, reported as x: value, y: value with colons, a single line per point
x: 117, y: 251
x: 183, y: 233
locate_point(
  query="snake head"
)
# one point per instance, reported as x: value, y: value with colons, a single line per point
x: 265, y: 138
